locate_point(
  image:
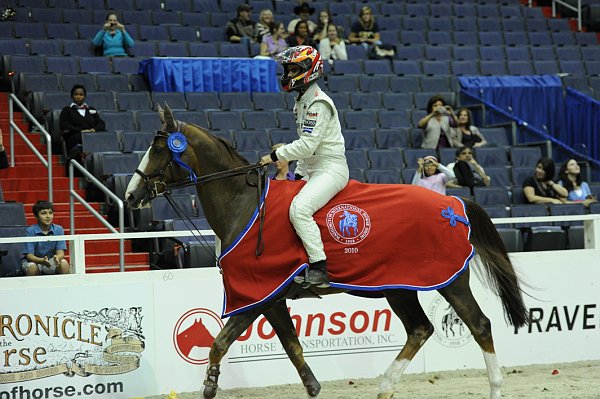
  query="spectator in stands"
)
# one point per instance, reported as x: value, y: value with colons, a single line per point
x: 432, y: 175
x: 274, y: 43
x: 45, y: 257
x: 3, y: 156
x: 113, y: 39
x: 319, y: 151
x: 242, y: 29
x: 465, y: 134
x: 365, y: 30
x: 332, y: 47
x: 437, y: 123
x: 321, y: 32
x: 467, y: 171
x: 78, y: 118
x: 263, y: 26
x: 303, y: 11
x: 570, y: 178
x: 283, y: 167
x: 300, y: 37
x: 540, y: 189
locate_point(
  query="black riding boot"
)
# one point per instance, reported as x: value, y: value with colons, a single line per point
x: 316, y: 274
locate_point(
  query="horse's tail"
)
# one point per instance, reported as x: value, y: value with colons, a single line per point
x: 499, y: 271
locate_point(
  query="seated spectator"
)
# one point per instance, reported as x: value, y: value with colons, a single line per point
x: 321, y: 31
x: 437, y: 123
x: 365, y: 30
x: 3, y: 157
x: 113, y: 38
x: 467, y: 171
x: 303, y: 11
x: 300, y: 37
x: 332, y: 47
x: 540, y: 189
x: 263, y: 26
x: 78, y: 118
x: 570, y: 178
x: 283, y: 167
x: 428, y: 174
x: 45, y: 257
x: 241, y: 29
x: 465, y: 134
x: 273, y: 43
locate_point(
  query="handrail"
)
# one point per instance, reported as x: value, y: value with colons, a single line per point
x: 13, y: 126
x: 522, y: 123
x: 73, y: 194
x: 570, y: 7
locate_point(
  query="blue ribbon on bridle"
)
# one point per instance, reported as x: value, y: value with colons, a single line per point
x: 453, y: 218
x: 177, y: 144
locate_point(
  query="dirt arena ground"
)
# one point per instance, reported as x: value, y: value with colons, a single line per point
x: 579, y: 380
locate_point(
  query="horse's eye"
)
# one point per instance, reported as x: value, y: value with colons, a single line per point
x: 157, y: 149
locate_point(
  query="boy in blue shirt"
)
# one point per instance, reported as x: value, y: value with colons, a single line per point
x: 46, y: 257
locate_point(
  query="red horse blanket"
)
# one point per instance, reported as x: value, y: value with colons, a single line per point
x: 376, y: 236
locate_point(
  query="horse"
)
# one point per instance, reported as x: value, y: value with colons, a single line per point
x: 229, y: 203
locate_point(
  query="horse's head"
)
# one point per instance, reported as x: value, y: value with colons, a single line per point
x: 169, y: 161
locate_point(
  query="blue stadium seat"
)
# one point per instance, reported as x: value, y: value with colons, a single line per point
x: 286, y: 119
x: 357, y: 159
x: 529, y: 210
x: 100, y: 142
x: 282, y: 136
x: 413, y: 67
x: 203, y: 49
x: 68, y: 80
x: 441, y: 23
x: 393, y: 119
x: 518, y: 174
x: 525, y: 156
x: 513, y: 25
x: 439, y: 38
x: 119, y: 120
x: 359, y: 101
x: 25, y: 63
x: 403, y: 84
x: 148, y: 121
x: 492, y: 68
x: 487, y: 10
x: 516, y: 39
x: 392, y: 138
x: 102, y: 100
x: 493, y: 38
x: 172, y: 49
x: 126, y: 64
x: 175, y: 100
x: 539, y: 38
x: 366, y: 119
x: 79, y: 16
x: 198, y: 118
x: 386, y: 159
x: 94, y: 65
x: 12, y: 214
x: 183, y: 33
x: 573, y: 67
x: 467, y: 38
x: 357, y: 174
x: 236, y: 100
x: 111, y: 82
x: 377, y: 83
x: 151, y: 5
x: 260, y: 119
x: 358, y: 138
x: 268, y: 101
x: 45, y: 47
x: 410, y: 53
x: 491, y: 196
x: 345, y: 83
x: 127, y: 100
x: 465, y: 67
x: 82, y: 48
x: 383, y: 176
x: 546, y: 67
x: 39, y: 82
x: 462, y: 24
x: 356, y: 52
x: 212, y: 35
x: 397, y: 101
x: 119, y: 163
x: 144, y: 49
x: 520, y: 68
x: 435, y: 84
x: 438, y: 53
x: 414, y: 24
x: 378, y: 67
x: 250, y: 155
x: 225, y: 120
x: 492, y: 53
x: 134, y: 141
x: 202, y: 101
x: 411, y: 38
x: 252, y: 140
x: 497, y: 211
x: 120, y: 4
x: 233, y: 50
x: 351, y: 66
x: 137, y: 17
x: 165, y: 18
x: 567, y: 209
x: 489, y: 25
x: 519, y: 53
x: 499, y: 176
x: 563, y: 38
x: 14, y: 46
x: 340, y: 99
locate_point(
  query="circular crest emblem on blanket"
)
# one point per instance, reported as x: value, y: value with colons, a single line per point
x: 348, y: 224
x: 449, y: 329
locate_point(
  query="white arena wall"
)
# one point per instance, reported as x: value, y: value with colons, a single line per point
x: 122, y: 335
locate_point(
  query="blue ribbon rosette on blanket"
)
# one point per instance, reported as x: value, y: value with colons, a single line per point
x: 177, y: 144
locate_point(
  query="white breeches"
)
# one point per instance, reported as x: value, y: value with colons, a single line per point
x: 319, y: 189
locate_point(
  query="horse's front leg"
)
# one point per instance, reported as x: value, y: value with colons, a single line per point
x: 234, y: 327
x: 279, y: 318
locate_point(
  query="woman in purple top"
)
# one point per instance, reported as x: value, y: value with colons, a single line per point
x: 274, y: 43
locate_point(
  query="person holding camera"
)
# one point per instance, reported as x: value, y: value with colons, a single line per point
x: 432, y: 175
x: 113, y: 39
x: 437, y: 123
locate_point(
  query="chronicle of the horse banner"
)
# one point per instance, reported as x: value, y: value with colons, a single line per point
x: 376, y: 237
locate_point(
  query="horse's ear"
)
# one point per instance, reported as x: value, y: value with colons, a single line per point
x: 161, y: 114
x: 169, y: 119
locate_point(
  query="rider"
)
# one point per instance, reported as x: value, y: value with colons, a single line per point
x: 319, y: 150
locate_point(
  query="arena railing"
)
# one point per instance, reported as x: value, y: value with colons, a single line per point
x: 12, y: 100
x: 591, y: 226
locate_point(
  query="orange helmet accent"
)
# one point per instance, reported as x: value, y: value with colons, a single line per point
x: 310, y: 63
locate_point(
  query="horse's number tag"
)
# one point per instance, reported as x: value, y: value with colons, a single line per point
x: 177, y: 142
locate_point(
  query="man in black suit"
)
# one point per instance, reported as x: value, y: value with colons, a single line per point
x: 78, y: 118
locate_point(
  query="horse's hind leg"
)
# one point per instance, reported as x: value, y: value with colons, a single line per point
x: 280, y: 320
x: 234, y: 327
x: 418, y: 329
x: 459, y: 295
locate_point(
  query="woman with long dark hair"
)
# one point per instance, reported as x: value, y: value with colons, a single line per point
x: 570, y: 178
x: 540, y: 188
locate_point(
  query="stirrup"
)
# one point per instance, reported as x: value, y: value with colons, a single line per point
x: 316, y: 278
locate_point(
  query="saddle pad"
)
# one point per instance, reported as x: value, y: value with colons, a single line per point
x: 376, y: 237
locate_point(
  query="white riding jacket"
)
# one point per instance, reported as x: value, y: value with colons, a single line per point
x: 320, y: 145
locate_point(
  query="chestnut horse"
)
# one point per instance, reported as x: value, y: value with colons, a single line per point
x: 229, y: 203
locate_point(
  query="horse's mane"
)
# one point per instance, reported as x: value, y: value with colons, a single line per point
x: 224, y: 144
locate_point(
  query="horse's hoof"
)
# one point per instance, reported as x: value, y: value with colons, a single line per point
x: 385, y: 395
x: 209, y: 392
x: 313, y: 390
x: 309, y: 381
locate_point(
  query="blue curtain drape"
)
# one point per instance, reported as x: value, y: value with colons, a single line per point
x: 537, y: 99
x: 582, y: 122
x: 210, y: 74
